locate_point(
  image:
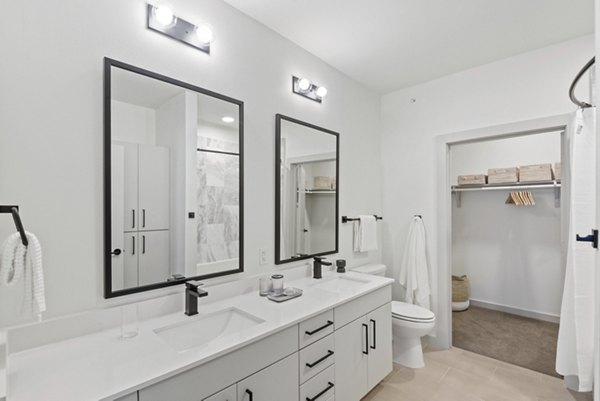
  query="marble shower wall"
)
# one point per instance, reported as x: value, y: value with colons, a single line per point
x: 218, y: 202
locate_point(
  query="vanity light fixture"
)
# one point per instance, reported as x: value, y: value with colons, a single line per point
x: 303, y: 87
x: 228, y: 119
x: 162, y: 19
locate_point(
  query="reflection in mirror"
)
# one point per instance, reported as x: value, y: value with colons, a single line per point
x: 307, y: 196
x: 175, y: 207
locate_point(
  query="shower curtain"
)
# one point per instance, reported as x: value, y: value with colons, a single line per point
x: 575, y: 352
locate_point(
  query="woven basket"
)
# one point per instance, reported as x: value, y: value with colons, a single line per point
x: 460, y: 288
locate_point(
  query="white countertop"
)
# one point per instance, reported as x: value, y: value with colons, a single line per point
x: 100, y: 366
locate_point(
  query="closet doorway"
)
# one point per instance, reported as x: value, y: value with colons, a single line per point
x: 507, y: 268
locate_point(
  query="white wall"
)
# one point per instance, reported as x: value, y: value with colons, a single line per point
x: 132, y: 123
x: 51, y: 127
x: 523, y: 87
x: 511, y: 254
x: 478, y: 157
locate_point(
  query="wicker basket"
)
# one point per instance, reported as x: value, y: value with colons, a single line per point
x: 460, y: 288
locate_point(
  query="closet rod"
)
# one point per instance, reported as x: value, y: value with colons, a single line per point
x: 14, y: 210
x: 574, y: 99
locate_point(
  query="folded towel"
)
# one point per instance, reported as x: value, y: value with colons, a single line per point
x: 365, y: 233
x: 19, y: 261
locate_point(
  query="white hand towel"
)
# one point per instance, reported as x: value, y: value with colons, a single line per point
x: 413, y: 274
x: 365, y: 233
x: 19, y: 261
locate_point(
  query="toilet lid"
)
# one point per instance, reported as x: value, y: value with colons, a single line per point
x: 411, y: 312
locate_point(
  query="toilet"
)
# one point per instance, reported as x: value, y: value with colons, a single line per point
x: 409, y: 323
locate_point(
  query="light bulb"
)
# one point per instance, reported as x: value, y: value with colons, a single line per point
x: 164, y: 15
x: 205, y: 34
x: 228, y: 119
x: 322, y: 91
x: 304, y: 84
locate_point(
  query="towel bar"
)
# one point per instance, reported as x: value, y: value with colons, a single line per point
x: 14, y: 210
x: 346, y: 219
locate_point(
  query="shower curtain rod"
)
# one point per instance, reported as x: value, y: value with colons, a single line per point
x: 578, y: 102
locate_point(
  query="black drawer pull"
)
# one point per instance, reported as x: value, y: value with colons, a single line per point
x: 318, y: 361
x: 315, y: 331
x: 366, y: 327
x: 374, y: 346
x: 250, y: 395
x: 329, y: 387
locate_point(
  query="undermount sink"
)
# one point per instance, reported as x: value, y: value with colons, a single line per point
x: 202, y: 330
x: 340, y: 283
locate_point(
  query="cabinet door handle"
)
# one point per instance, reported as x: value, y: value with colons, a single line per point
x: 318, y: 361
x: 132, y: 218
x: 315, y: 331
x: 133, y: 245
x: 374, y: 346
x: 143, y: 218
x: 250, y: 395
x: 143, y: 244
x: 366, y: 327
x: 116, y: 252
x: 329, y: 387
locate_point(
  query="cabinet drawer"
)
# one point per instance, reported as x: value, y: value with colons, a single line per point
x: 352, y: 310
x: 276, y: 382
x: 316, y: 357
x: 315, y: 328
x: 319, y: 388
x: 229, y: 394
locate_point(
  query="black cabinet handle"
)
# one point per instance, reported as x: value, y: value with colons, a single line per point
x: 318, y: 361
x: 132, y: 218
x: 329, y: 387
x: 143, y: 244
x: 116, y: 252
x: 315, y: 331
x: 143, y: 217
x: 593, y: 238
x: 374, y: 346
x: 366, y: 327
x: 133, y: 245
x: 250, y: 395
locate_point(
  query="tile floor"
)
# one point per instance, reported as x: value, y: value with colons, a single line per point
x: 458, y: 375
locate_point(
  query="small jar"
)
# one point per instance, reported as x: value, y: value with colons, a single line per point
x: 277, y: 280
x: 265, y: 286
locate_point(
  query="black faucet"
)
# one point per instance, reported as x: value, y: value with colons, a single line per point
x: 318, y: 263
x: 192, y: 293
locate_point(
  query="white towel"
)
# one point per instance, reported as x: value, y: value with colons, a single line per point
x: 413, y: 274
x: 365, y: 233
x: 19, y: 261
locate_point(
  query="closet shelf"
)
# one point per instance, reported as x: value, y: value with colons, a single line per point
x: 554, y: 184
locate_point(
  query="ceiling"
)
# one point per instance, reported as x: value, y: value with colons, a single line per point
x: 392, y: 44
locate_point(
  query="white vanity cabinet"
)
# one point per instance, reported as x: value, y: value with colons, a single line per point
x: 154, y: 256
x: 229, y: 394
x: 144, y: 176
x: 363, y: 354
x: 340, y: 354
x: 277, y: 382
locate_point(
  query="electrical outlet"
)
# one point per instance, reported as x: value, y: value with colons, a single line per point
x: 262, y: 256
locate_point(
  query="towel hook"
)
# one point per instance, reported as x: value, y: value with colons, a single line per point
x: 14, y: 211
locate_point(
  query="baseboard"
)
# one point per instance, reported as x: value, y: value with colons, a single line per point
x: 546, y: 317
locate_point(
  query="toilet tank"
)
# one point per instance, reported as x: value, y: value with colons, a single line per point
x: 374, y: 269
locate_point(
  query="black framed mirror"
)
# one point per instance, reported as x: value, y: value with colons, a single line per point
x: 173, y: 181
x: 306, y: 190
